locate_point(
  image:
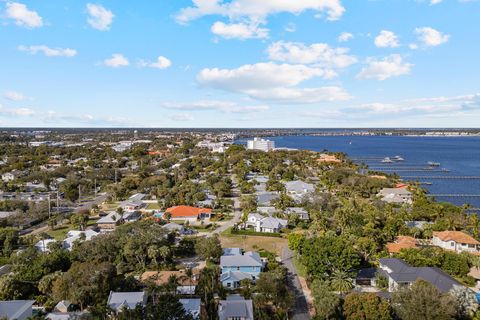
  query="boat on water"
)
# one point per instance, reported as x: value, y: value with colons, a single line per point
x: 387, y: 160
x: 398, y: 158
x: 433, y: 164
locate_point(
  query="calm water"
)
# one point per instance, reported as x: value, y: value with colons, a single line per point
x: 459, y: 155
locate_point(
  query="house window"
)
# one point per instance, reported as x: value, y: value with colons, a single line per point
x: 471, y: 246
x: 229, y: 284
x: 452, y: 244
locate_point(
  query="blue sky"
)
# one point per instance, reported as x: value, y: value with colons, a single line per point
x: 240, y: 63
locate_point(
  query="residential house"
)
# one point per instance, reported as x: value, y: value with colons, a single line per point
x: 266, y: 224
x: 10, y: 176
x: 235, y: 308
x: 16, y: 309
x: 396, y: 195
x: 192, y: 306
x: 237, y: 266
x: 110, y: 222
x: 299, y: 188
x: 401, y: 242
x: 43, y: 245
x: 456, y: 240
x: 131, y: 216
x: 129, y: 300
x: 187, y: 213
x: 264, y: 199
x: 74, y: 236
x: 399, y: 273
x: 186, y: 285
x: 133, y: 203
x: 328, y: 158
x: 300, y: 212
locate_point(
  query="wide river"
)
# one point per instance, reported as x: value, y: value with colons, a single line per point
x: 456, y: 157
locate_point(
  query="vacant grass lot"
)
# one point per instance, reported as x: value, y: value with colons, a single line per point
x: 254, y: 243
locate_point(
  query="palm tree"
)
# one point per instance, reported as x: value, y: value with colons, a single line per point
x: 341, y: 281
x: 153, y: 252
x: 172, y: 284
x: 189, y: 274
x: 164, y: 252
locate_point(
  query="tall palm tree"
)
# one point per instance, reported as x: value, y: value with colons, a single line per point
x: 341, y: 281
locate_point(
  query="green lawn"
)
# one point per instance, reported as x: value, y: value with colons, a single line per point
x: 153, y: 206
x: 60, y: 231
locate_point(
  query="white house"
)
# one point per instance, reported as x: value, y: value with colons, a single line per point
x: 78, y: 236
x: 266, y: 224
x: 129, y: 300
x: 260, y: 144
x: 235, y: 308
x: 396, y: 195
x: 10, y: 176
x: 43, y: 245
x: 456, y: 241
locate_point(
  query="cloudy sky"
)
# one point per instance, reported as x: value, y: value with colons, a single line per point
x: 240, y: 63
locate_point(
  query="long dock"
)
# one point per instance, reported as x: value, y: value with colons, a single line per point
x: 454, y: 195
x: 442, y: 177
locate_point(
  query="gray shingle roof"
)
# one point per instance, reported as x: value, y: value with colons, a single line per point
x: 119, y: 300
x: 235, y: 306
x: 249, y: 259
x: 15, y: 308
x: 400, y: 271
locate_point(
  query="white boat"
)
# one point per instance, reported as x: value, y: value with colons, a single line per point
x: 398, y: 158
x: 387, y: 160
x: 433, y: 164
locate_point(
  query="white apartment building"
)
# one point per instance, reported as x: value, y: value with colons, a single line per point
x: 260, y: 144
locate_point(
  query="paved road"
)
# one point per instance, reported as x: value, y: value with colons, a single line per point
x: 300, y: 310
x: 237, y: 214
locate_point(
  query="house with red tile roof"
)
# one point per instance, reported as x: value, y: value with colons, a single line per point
x: 188, y: 213
x: 401, y: 242
x: 456, y: 240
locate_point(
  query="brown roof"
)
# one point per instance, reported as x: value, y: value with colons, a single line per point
x: 401, y: 242
x: 161, y: 277
x: 456, y: 236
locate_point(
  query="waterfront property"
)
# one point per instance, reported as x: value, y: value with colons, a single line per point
x: 456, y: 240
x: 396, y: 195
x: 260, y: 144
x: 237, y: 266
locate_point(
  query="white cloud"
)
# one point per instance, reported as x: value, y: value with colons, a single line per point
x: 182, y: 117
x: 301, y: 95
x: 240, y: 31
x: 255, y: 10
x: 272, y: 82
x: 14, y: 96
x: 345, y: 36
x: 23, y: 112
x: 318, y: 53
x: 434, y: 2
x: 161, y: 63
x: 224, y: 106
x: 22, y: 15
x: 49, y: 52
x: 257, y: 76
x: 433, y: 105
x: 99, y: 17
x: 391, y: 66
x: 116, y: 61
x: 431, y: 37
x: 386, y: 39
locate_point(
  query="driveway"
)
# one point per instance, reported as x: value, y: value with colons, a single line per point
x: 237, y: 215
x: 300, y: 310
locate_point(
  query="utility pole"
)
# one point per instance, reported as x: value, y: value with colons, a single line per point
x: 79, y: 193
x: 49, y: 210
x: 95, y: 186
